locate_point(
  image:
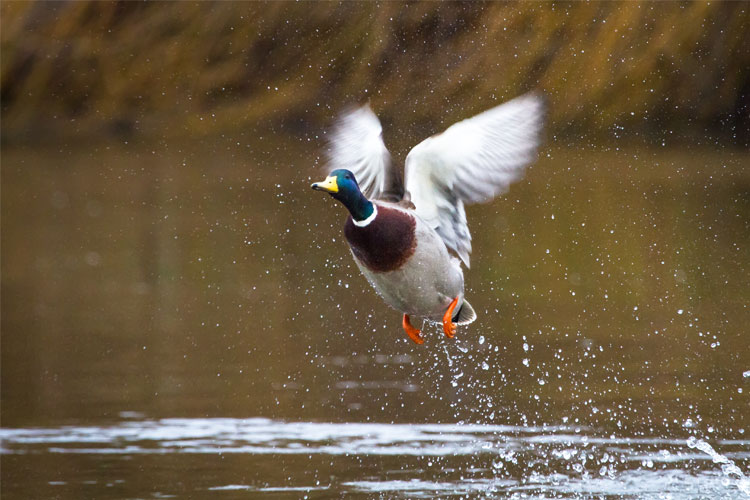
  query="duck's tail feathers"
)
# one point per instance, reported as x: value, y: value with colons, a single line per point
x: 465, y: 315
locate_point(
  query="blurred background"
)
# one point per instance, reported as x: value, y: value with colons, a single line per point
x: 157, y: 71
x: 163, y: 256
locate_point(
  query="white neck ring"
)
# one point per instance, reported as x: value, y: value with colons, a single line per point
x: 363, y: 223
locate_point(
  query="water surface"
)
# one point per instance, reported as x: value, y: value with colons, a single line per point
x: 186, y: 320
x: 319, y: 460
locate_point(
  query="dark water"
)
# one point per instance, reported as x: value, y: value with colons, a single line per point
x: 186, y: 321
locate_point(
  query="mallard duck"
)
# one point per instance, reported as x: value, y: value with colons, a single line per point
x: 409, y: 239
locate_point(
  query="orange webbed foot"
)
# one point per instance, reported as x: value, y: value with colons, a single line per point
x: 412, y: 332
x: 449, y: 327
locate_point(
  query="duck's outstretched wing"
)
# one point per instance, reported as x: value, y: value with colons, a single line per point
x: 471, y: 162
x: 356, y: 144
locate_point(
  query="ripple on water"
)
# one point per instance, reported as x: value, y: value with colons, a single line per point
x: 562, y: 461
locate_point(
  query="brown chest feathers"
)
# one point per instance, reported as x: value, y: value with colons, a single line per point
x: 386, y: 243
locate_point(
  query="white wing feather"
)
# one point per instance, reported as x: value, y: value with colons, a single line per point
x: 356, y: 144
x: 471, y: 162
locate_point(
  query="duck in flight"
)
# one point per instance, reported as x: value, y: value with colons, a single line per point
x: 407, y: 238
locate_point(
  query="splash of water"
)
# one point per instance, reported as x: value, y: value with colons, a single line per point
x: 728, y: 467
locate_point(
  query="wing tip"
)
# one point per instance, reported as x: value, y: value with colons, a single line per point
x: 541, y: 102
x: 464, y: 256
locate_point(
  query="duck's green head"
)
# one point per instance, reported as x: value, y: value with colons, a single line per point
x: 342, y: 185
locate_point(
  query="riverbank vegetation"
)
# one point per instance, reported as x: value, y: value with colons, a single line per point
x: 610, y: 70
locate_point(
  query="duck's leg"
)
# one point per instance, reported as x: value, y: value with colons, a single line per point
x: 412, y: 332
x: 449, y: 327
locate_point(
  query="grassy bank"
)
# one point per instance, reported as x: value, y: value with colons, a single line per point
x: 610, y: 69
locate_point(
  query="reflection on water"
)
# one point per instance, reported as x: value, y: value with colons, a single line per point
x: 206, y: 281
x: 406, y: 460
